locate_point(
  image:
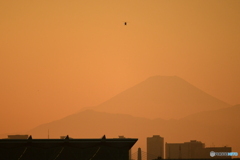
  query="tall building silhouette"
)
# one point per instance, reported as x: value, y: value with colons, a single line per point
x: 139, y: 154
x: 184, y: 150
x: 155, y: 147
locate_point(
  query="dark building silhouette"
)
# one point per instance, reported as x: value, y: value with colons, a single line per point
x: 130, y: 150
x: 66, y: 149
x: 207, y: 150
x: 139, y: 154
x: 193, y: 150
x: 155, y: 147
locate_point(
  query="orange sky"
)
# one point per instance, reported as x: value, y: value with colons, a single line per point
x: 57, y: 56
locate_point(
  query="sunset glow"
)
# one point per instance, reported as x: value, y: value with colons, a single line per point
x: 58, y: 56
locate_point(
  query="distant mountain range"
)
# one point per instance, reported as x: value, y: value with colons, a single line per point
x: 219, y: 127
x: 161, y: 97
x: 165, y: 106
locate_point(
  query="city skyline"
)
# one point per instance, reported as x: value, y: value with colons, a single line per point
x: 156, y: 149
x: 198, y: 125
x: 89, y: 124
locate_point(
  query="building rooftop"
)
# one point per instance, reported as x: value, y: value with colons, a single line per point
x: 28, y: 149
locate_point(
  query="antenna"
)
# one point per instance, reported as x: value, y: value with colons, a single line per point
x: 48, y: 133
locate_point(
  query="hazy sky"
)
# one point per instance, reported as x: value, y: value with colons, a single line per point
x: 57, y: 56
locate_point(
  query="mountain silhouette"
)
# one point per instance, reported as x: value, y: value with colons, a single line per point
x: 219, y: 127
x: 161, y: 97
x: 166, y: 106
x: 91, y: 123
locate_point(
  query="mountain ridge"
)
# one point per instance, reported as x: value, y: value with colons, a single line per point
x: 93, y: 124
x: 161, y: 97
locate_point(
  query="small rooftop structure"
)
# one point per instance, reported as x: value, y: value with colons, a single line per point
x: 17, y: 136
